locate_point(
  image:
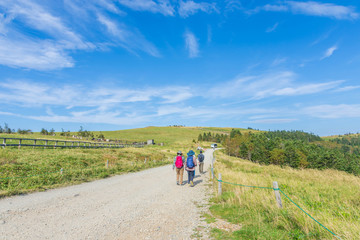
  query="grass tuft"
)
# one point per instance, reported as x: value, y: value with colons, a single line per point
x: 330, y: 196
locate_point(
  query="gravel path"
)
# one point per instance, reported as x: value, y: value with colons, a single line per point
x: 143, y: 205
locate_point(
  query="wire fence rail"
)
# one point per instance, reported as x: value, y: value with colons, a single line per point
x: 53, y: 143
x: 277, y: 191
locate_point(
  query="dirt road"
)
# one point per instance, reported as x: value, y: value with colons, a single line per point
x: 143, y: 205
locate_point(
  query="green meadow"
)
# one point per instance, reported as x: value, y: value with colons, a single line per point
x: 331, y: 197
x: 36, y: 169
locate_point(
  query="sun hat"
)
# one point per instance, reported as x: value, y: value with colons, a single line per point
x: 179, y: 152
x: 191, y: 153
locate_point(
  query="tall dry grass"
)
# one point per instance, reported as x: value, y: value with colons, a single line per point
x: 331, y: 197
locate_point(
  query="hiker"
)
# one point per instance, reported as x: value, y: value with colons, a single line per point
x: 201, y: 159
x: 179, y: 161
x: 190, y: 167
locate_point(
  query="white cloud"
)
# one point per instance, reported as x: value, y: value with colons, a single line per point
x: 7, y: 113
x: 276, y: 8
x: 274, y: 84
x: 110, y: 26
x: 334, y: 111
x: 109, y: 5
x: 209, y: 34
x: 25, y: 93
x: 232, y: 5
x: 37, y: 17
x: 39, y: 55
x: 307, y: 89
x: 190, y: 8
x: 323, y: 10
x: 61, y: 31
x: 121, y: 106
x: 347, y: 88
x: 161, y: 6
x: 272, y: 28
x: 256, y: 87
x: 278, y: 61
x: 191, y: 44
x: 329, y: 52
x: 95, y: 117
x: 131, y: 40
x: 19, y: 50
x: 273, y: 120
x: 179, y: 95
x: 312, y: 8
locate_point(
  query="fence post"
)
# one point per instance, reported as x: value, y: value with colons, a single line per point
x: 55, y: 144
x: 34, y: 143
x: 277, y: 194
x: 107, y: 163
x: 46, y: 142
x: 219, y: 186
x: 19, y: 143
x: 4, y: 142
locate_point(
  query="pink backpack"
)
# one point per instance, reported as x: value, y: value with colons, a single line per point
x: 179, y: 162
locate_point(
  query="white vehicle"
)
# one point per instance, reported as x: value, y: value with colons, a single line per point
x: 214, y: 145
x: 199, y: 148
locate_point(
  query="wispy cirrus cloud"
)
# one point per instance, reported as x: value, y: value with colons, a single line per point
x: 279, y: 60
x: 329, y: 52
x: 267, y: 85
x: 272, y: 120
x: 347, y: 88
x: 272, y: 28
x: 255, y: 87
x: 232, y: 5
x: 20, y: 50
x: 32, y: 94
x: 78, y: 103
x: 57, y: 37
x: 155, y: 6
x: 333, y: 111
x: 311, y: 8
x: 132, y: 40
x: 39, y: 55
x: 190, y: 7
x: 191, y: 44
x: 37, y: 17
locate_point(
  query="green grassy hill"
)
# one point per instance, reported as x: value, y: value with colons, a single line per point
x: 331, y: 197
x: 33, y: 169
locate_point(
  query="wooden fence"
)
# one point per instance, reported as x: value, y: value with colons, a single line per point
x: 53, y: 143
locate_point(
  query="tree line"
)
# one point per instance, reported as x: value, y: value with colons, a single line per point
x: 81, y: 133
x: 211, y: 137
x: 8, y: 130
x: 296, y: 149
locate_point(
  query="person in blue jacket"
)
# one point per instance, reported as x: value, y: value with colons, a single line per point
x: 190, y: 166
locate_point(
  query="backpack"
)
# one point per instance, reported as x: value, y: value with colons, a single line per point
x: 190, y: 162
x: 201, y: 157
x: 179, y: 162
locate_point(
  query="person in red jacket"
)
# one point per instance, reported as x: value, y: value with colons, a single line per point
x: 179, y: 161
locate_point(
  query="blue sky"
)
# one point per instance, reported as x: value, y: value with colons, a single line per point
x: 118, y: 64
